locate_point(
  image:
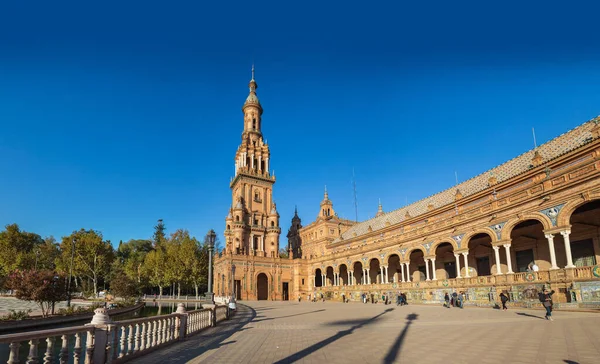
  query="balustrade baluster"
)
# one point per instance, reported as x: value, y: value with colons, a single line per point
x: 171, y: 328
x: 14, y: 353
x: 77, y: 349
x: 32, y: 358
x: 136, y: 340
x: 154, y: 329
x: 49, y: 355
x: 130, y: 331
x: 64, y: 350
x: 143, y: 336
x: 122, y: 342
x: 89, y: 347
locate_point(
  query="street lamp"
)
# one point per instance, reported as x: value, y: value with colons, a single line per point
x: 232, y: 304
x: 211, y: 247
x: 70, y: 273
x: 37, y: 256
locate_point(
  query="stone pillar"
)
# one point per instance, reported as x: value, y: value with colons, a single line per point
x: 381, y: 272
x: 402, y: 271
x: 349, y: 278
x: 266, y: 164
x: 465, y: 254
x: 387, y: 275
x: 550, y: 238
x: 508, y: 259
x: 407, y: 271
x: 497, y: 257
x: 457, y: 265
x: 427, y: 269
x: 433, y: 267
x: 102, y: 323
x: 259, y: 160
x: 565, y: 235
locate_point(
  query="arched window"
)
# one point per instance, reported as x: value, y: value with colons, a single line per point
x: 237, y: 219
x: 253, y: 123
x: 272, y: 223
x: 228, y: 227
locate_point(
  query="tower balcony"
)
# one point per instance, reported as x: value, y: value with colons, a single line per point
x: 253, y: 173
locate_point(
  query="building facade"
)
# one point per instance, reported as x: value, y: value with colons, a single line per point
x: 527, y: 224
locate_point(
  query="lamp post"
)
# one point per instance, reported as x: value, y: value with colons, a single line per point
x: 211, y: 247
x: 70, y: 274
x: 232, y: 304
x: 37, y: 256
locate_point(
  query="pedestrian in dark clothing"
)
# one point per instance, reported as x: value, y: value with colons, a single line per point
x: 547, y: 302
x: 404, y: 301
x: 454, y: 298
x: 447, y: 300
x: 504, y: 299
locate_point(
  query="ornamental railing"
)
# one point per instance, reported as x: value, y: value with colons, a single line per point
x: 105, y: 341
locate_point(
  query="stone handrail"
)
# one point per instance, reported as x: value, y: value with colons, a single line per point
x: 198, y: 320
x: 49, y: 336
x: 113, y: 342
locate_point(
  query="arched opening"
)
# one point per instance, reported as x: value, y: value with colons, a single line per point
x: 394, y: 272
x: 481, y: 256
x: 417, y: 266
x: 329, y: 276
x: 529, y: 246
x: 237, y: 219
x: 585, y: 234
x: 262, y: 287
x: 343, y: 275
x: 272, y: 223
x: 374, y: 271
x: 318, y: 278
x: 357, y: 272
x: 445, y: 262
x: 228, y: 227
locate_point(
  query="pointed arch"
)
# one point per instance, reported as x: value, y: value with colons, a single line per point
x: 510, y: 224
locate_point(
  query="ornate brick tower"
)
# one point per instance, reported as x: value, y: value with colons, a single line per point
x: 294, y: 241
x: 253, y: 221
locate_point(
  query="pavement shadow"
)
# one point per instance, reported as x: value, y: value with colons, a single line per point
x: 528, y: 315
x: 570, y: 361
x: 275, y: 318
x: 205, y: 340
x: 323, y: 343
x: 392, y: 354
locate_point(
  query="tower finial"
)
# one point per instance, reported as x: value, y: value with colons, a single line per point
x: 326, y: 194
x: 252, y: 71
x: 379, y: 209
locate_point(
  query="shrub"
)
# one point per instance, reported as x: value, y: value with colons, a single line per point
x: 16, y: 315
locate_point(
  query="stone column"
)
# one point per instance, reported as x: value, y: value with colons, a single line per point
x: 266, y: 164
x: 407, y: 271
x: 402, y: 271
x: 387, y: 274
x: 565, y: 235
x: 508, y: 259
x: 497, y: 256
x: 381, y: 272
x: 457, y: 265
x: 427, y: 269
x: 550, y: 238
x: 433, y: 267
x: 259, y: 160
x: 349, y: 278
x: 465, y: 254
x: 324, y: 279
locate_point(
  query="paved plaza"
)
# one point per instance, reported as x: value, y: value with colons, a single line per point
x: 11, y: 303
x: 291, y: 332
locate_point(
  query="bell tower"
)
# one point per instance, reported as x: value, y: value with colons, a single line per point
x: 252, y: 225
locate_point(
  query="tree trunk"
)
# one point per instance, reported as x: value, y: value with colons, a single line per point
x: 178, y: 290
x: 196, y: 286
x: 95, y: 287
x: 160, y: 290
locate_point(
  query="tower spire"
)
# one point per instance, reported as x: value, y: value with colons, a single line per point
x: 379, y: 209
x: 252, y: 71
x: 326, y: 194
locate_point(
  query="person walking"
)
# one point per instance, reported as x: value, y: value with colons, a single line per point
x: 504, y: 299
x: 547, y: 302
x: 460, y: 300
x: 447, y: 300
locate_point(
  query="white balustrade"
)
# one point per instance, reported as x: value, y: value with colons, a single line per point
x: 116, y: 341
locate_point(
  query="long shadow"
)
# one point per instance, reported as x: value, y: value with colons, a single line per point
x: 528, y: 315
x: 321, y: 344
x: 275, y: 318
x: 205, y: 340
x: 395, y: 349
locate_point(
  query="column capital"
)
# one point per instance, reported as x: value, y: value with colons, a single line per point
x: 465, y: 253
x: 503, y: 242
x: 565, y: 233
x: 496, y: 247
x: 557, y: 230
x: 549, y: 236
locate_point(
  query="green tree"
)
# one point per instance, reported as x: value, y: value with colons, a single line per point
x: 159, y: 233
x: 154, y: 269
x: 41, y: 286
x: 176, y: 269
x: 123, y: 286
x: 93, y: 256
x: 283, y: 253
x: 131, y: 255
x: 17, y: 249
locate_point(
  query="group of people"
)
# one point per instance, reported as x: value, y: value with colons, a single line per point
x: 454, y: 300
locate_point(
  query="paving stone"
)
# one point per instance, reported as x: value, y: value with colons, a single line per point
x: 291, y: 332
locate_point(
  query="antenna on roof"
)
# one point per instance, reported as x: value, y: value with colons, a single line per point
x: 534, y: 141
x: 355, y: 201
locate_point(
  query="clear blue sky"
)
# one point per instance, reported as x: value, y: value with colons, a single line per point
x: 114, y: 115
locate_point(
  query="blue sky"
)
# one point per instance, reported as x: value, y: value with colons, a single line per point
x: 117, y: 114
